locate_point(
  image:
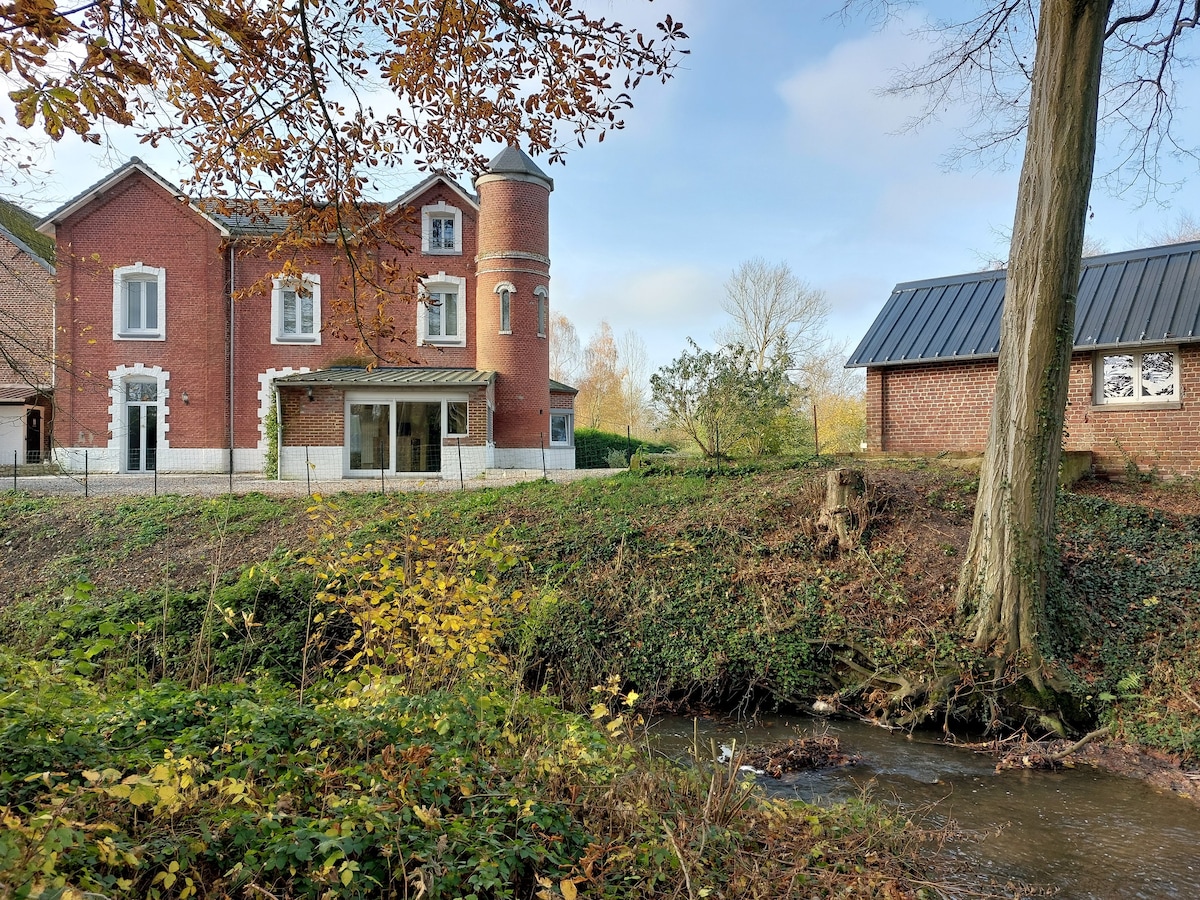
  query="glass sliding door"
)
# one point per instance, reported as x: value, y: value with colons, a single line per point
x: 418, y: 437
x: 370, y: 437
x: 395, y: 436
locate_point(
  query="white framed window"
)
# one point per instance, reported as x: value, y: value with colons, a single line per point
x: 456, y: 418
x: 442, y: 312
x: 296, y: 309
x: 505, y: 291
x: 139, y: 303
x: 1143, y: 376
x: 441, y: 229
x: 543, y: 309
x: 562, y: 428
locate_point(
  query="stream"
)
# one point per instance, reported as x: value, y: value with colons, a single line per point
x: 1085, y: 832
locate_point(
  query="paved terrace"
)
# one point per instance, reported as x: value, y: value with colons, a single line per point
x: 214, y: 485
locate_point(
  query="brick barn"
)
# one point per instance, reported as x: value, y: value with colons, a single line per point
x: 1134, y: 399
x: 185, y: 344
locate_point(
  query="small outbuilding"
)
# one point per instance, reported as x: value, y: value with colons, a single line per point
x: 931, y: 361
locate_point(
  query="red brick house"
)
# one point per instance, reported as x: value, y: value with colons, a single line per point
x: 26, y: 337
x: 186, y: 345
x: 1134, y: 399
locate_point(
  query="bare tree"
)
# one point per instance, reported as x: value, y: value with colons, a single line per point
x: 566, y: 354
x: 1057, y: 104
x: 1186, y: 228
x: 635, y: 381
x: 772, y: 310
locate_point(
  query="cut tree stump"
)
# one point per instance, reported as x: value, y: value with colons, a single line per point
x: 844, y: 489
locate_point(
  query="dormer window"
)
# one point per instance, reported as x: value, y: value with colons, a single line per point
x: 441, y: 229
x: 139, y: 295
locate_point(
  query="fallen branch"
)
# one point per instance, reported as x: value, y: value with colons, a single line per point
x: 1082, y: 742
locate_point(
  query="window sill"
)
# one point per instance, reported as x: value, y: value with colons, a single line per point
x: 296, y: 339
x: 444, y: 342
x: 139, y: 336
x: 1127, y: 407
x: 505, y: 332
x: 432, y: 251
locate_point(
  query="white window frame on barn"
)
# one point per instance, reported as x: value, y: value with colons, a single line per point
x: 132, y: 287
x: 1145, y: 387
x: 434, y: 308
x: 289, y: 289
x: 441, y: 229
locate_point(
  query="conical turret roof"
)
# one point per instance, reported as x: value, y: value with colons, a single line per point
x: 512, y: 160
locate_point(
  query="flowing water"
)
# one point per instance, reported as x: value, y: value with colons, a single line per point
x: 1084, y: 832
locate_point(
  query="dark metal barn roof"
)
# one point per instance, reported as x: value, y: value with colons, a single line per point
x: 1135, y: 298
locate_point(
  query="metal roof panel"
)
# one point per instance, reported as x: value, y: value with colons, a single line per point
x: 1134, y: 298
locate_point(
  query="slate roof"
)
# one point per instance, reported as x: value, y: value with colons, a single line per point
x: 559, y: 388
x: 1130, y: 299
x: 515, y: 161
x: 387, y: 376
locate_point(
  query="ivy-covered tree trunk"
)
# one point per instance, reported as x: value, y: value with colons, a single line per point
x: 1003, y: 584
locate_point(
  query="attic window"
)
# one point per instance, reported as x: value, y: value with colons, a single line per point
x: 441, y: 229
x: 1147, y: 376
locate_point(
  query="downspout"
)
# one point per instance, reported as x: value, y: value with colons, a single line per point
x: 278, y: 430
x: 232, y: 288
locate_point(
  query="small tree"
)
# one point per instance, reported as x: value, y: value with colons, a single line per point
x: 722, y: 396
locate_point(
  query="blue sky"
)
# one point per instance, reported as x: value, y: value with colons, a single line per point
x: 773, y: 140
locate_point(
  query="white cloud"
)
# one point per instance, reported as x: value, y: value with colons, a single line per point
x: 838, y: 111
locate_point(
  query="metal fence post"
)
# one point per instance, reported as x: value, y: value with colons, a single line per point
x: 307, y: 472
x: 461, y: 483
x: 14, y: 471
x: 542, y: 444
x: 717, y: 430
x: 382, y: 484
x: 85, y: 473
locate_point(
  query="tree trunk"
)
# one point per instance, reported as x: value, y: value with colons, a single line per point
x: 1003, y: 585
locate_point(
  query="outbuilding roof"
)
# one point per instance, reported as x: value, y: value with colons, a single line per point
x: 1135, y: 298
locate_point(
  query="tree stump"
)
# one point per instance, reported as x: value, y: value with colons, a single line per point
x: 844, y: 489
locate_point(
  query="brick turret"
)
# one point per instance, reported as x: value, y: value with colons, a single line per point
x: 514, y: 256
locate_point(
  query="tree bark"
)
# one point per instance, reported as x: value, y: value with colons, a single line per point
x: 1003, y: 584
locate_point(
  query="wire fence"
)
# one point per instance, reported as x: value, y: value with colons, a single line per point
x: 314, y: 470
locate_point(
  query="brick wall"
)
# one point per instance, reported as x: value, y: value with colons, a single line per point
x: 513, y: 248
x: 26, y: 319
x: 137, y: 221
x: 940, y: 407
x: 320, y: 422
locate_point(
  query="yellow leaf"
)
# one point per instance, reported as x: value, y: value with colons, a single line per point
x: 568, y: 889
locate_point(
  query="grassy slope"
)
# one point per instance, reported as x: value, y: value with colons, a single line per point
x: 698, y: 587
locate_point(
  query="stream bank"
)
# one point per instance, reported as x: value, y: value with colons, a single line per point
x: 1084, y: 832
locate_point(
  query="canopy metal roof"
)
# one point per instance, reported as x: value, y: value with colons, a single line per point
x: 355, y: 376
x: 1136, y: 298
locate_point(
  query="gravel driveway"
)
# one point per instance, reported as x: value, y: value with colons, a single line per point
x: 212, y: 485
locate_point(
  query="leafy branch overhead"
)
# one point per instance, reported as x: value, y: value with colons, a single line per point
x: 303, y: 99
